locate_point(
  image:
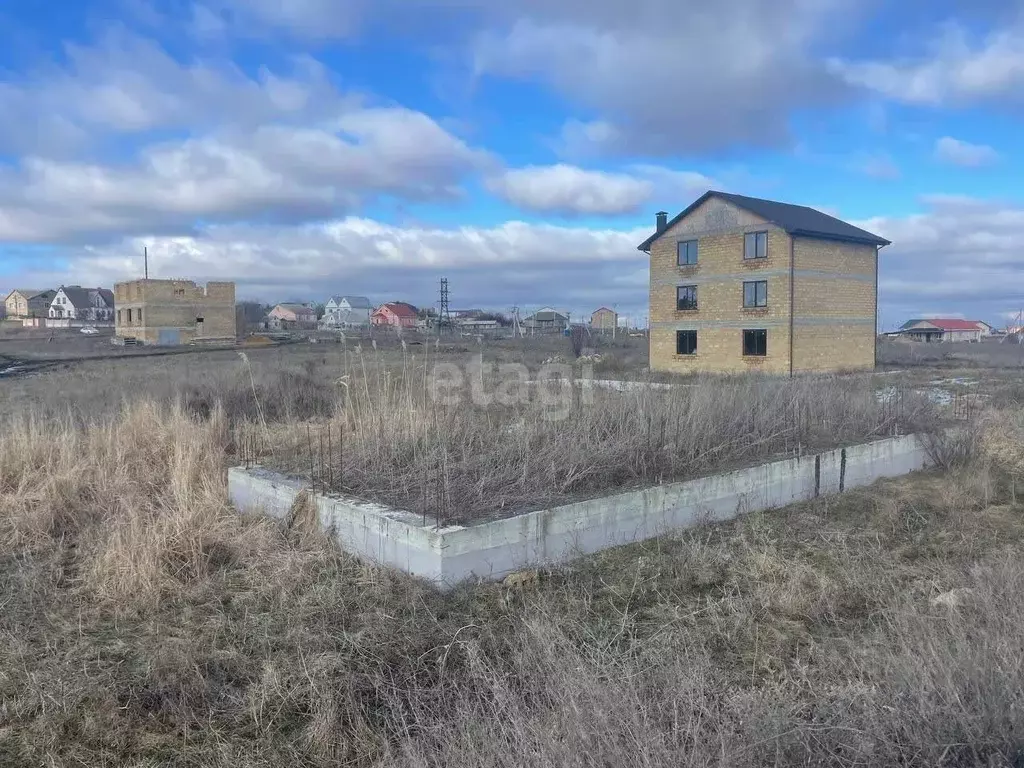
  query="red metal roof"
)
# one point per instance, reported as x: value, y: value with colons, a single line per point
x: 952, y: 324
x: 398, y: 309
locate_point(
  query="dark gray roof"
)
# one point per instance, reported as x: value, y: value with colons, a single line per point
x: 299, y: 309
x: 546, y: 316
x: 80, y: 297
x: 31, y: 293
x: 795, y: 219
x: 354, y: 302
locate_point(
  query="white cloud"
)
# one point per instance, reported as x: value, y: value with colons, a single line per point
x: 960, y: 256
x: 569, y: 190
x: 275, y: 171
x: 675, y: 185
x: 953, y: 70
x: 130, y: 86
x: 307, y: 19
x: 661, y: 75
x: 124, y: 138
x: 668, y: 77
x: 956, y: 152
x: 514, y: 263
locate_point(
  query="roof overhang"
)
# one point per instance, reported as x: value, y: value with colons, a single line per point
x: 645, y: 246
x: 880, y: 242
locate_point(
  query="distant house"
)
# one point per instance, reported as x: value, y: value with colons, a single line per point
x: 170, y: 313
x: 24, y: 303
x: 85, y: 305
x: 395, y: 313
x: 986, y: 329
x: 935, y: 329
x: 546, y: 319
x: 478, y: 325
x: 604, y: 319
x: 347, y: 312
x: 292, y: 317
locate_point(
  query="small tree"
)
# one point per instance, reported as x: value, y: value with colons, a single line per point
x: 577, y: 335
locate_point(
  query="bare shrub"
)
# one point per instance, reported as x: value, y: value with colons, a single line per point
x: 1002, y: 439
x: 577, y: 339
x: 284, y: 395
x: 952, y: 447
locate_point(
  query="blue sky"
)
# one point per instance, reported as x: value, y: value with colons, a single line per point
x: 519, y: 148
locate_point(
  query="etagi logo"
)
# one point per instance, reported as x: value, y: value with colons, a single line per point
x: 556, y: 387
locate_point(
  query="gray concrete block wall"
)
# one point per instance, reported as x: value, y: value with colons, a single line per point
x: 493, y: 549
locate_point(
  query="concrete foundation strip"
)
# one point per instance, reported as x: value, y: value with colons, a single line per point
x: 495, y: 548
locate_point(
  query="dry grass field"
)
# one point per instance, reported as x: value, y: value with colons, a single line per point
x: 491, y: 445
x: 144, y: 622
x: 986, y: 354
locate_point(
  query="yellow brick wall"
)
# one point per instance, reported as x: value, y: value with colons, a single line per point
x: 719, y: 275
x: 833, y: 348
x: 16, y: 305
x: 603, y: 319
x: 834, y: 289
x: 177, y: 305
x: 834, y: 306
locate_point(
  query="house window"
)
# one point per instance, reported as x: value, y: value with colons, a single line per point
x: 755, y: 294
x: 686, y: 253
x: 755, y: 343
x: 686, y: 342
x: 755, y: 245
x: 129, y: 317
x: 138, y: 312
x: 179, y: 291
x: 119, y: 317
x: 686, y: 297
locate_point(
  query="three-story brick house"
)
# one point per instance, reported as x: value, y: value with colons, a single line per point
x: 743, y: 284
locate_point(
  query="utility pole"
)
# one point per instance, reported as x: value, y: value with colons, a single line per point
x: 443, y: 313
x: 145, y: 260
x: 516, y: 330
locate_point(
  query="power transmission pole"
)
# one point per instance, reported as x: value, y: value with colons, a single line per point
x: 443, y: 313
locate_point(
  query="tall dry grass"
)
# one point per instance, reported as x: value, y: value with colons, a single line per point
x: 394, y: 439
x: 145, y: 623
x: 141, y: 498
